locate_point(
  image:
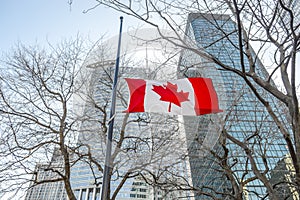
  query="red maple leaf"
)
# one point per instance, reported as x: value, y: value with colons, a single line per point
x: 169, y: 93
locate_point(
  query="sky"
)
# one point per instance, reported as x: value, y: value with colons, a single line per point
x: 33, y: 22
x: 38, y: 21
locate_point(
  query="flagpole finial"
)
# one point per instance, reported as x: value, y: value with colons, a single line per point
x: 121, y: 18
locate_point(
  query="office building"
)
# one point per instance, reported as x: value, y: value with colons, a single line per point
x: 294, y: 6
x: 147, y: 146
x: 151, y: 143
x: 48, y: 190
x: 246, y: 118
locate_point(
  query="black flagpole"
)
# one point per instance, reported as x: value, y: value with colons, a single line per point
x: 108, y: 167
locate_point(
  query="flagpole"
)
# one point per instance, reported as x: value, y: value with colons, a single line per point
x: 108, y: 167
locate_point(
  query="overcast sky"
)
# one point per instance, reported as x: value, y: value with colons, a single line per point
x: 37, y: 21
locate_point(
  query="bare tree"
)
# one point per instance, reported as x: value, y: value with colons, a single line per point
x: 272, y: 27
x: 54, y: 110
x: 37, y: 87
x: 143, y: 144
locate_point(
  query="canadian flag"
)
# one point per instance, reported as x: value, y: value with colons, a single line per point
x: 189, y: 96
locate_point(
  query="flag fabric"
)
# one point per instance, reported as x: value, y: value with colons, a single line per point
x: 189, y: 96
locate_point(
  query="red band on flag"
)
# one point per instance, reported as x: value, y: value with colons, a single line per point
x: 137, y: 89
x: 206, y: 99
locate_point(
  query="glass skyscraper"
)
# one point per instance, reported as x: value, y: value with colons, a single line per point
x: 244, y: 117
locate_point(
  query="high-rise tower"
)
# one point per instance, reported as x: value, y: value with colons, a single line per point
x: 142, y: 144
x: 245, y: 118
x: 48, y: 190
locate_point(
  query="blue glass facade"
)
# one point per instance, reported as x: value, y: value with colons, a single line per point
x: 244, y: 117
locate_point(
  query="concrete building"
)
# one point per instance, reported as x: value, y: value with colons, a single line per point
x: 48, y: 190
